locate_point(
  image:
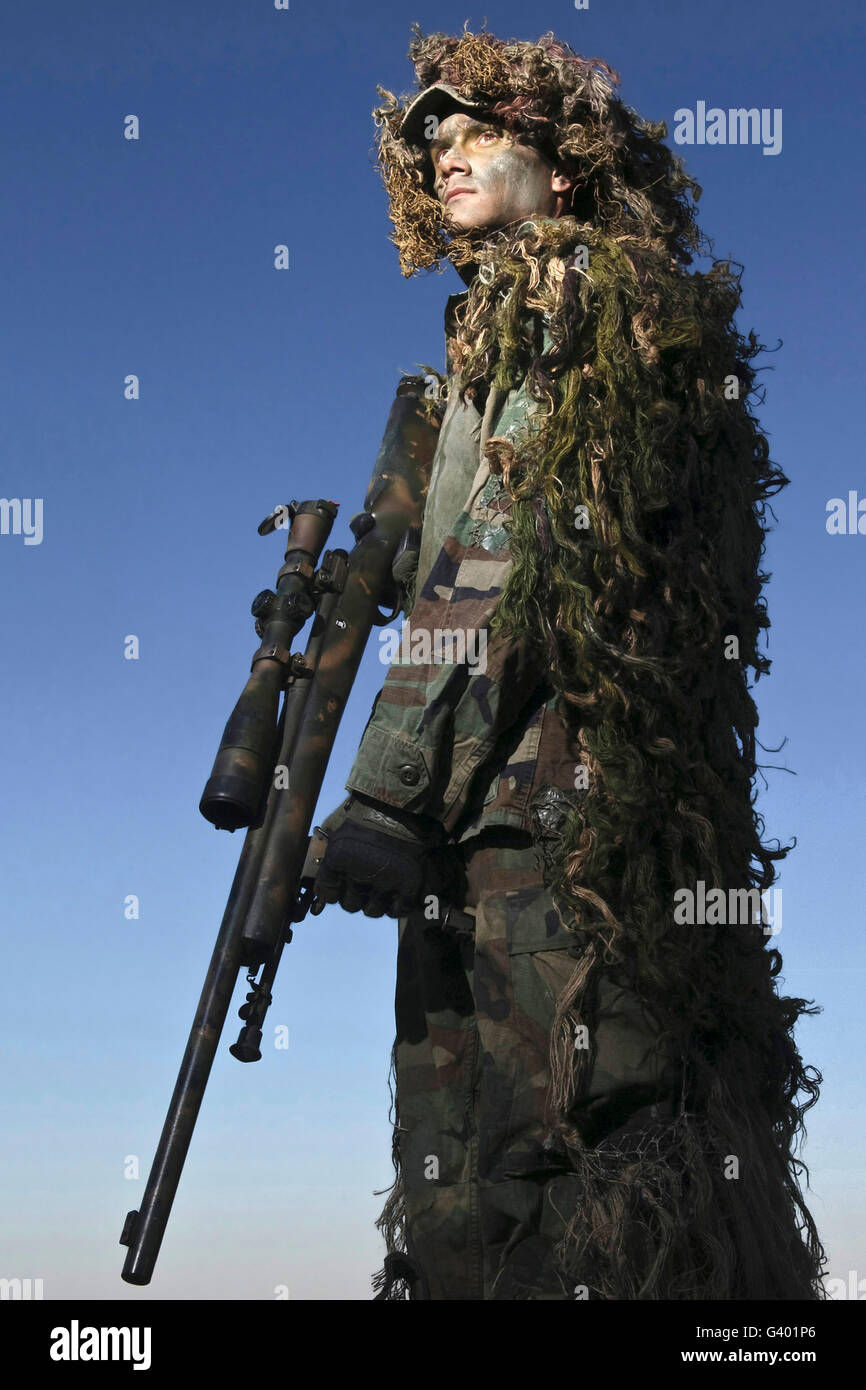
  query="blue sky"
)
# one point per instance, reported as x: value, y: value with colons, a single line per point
x: 155, y: 257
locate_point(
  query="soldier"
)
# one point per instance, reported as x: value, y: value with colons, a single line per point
x: 596, y: 1097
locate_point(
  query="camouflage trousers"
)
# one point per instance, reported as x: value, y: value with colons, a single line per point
x: 483, y: 1195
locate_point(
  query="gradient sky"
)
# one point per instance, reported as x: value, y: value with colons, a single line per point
x: 155, y: 257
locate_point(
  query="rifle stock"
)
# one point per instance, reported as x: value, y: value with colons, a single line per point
x: 268, y: 772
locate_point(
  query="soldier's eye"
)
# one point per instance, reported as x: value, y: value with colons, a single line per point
x: 443, y: 149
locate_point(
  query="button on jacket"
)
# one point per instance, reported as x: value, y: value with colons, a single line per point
x: 471, y: 740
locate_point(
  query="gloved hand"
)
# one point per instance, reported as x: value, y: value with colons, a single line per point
x: 385, y: 862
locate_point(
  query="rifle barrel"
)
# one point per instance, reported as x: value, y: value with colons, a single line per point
x: 144, y: 1229
x: 253, y: 930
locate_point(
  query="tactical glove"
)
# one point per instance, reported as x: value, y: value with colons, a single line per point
x: 385, y: 862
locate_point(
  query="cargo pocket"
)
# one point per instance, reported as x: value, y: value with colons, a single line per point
x: 635, y: 1078
x: 628, y: 1057
x: 533, y: 922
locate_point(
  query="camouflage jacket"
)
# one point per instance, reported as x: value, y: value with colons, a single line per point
x: 471, y: 740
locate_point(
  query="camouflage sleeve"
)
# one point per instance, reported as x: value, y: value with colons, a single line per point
x: 450, y: 695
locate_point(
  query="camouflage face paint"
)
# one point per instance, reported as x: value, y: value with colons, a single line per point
x: 504, y: 180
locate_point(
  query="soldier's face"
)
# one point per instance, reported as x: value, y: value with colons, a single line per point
x: 501, y: 179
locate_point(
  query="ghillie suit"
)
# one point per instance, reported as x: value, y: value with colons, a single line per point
x: 639, y: 491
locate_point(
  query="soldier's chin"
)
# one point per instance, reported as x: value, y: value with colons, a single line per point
x: 469, y: 222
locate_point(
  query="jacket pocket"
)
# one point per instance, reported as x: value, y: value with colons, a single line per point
x: 533, y: 922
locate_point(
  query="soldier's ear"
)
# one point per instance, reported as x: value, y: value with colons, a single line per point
x: 573, y: 185
x: 565, y: 175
